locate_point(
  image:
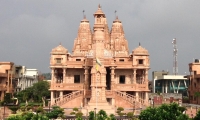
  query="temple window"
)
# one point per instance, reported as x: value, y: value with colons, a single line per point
x: 78, y: 59
x: 58, y: 60
x: 140, y: 61
x: 122, y: 79
x: 77, y: 79
x: 121, y: 60
x: 195, y: 72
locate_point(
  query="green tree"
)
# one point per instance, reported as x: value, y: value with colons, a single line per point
x: 13, y: 109
x: 38, y: 92
x: 55, y: 113
x: 41, y: 91
x: 112, y: 117
x: 91, y: 115
x: 130, y: 114
x: 101, y: 115
x: 164, y: 112
x: 120, y: 111
x: 77, y: 113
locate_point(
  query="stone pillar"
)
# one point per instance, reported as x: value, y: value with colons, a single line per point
x: 64, y: 75
x: 146, y: 98
x: 134, y: 76
x: 61, y: 95
x: 52, y: 76
x: 86, y: 78
x: 52, y: 98
x: 112, y: 77
x: 146, y: 76
x: 137, y: 96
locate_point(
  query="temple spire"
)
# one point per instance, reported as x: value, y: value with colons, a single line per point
x: 99, y: 6
x: 139, y: 44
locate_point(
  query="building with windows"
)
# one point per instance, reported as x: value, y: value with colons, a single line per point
x: 14, y: 78
x: 194, y: 77
x: 6, y: 79
x: 100, y: 73
x: 162, y: 82
x: 26, y: 78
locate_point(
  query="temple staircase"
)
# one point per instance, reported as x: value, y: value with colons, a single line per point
x: 66, y: 98
x: 137, y: 103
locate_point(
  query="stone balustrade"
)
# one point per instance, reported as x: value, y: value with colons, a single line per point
x: 66, y: 98
x: 68, y: 86
x: 131, y: 87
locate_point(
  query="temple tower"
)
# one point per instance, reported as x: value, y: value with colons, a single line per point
x: 98, y: 72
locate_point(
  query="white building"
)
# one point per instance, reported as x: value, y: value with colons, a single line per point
x: 27, y: 77
x: 164, y: 83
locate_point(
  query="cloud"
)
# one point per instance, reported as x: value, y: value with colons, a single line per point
x: 30, y: 29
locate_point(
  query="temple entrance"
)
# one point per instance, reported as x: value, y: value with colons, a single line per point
x: 108, y: 79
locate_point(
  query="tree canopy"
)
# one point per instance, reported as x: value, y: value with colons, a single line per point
x: 36, y: 93
x: 165, y: 112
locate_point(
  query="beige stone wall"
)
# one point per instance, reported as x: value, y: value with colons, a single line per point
x: 70, y: 75
x: 128, y: 75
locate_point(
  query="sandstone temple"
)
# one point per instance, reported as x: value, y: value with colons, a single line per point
x: 100, y: 73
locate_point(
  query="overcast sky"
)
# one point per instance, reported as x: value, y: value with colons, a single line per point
x: 30, y: 29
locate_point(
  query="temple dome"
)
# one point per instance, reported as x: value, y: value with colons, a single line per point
x: 84, y: 20
x: 140, y: 51
x: 117, y: 20
x: 59, y: 50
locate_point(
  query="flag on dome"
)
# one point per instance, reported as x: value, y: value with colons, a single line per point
x: 98, y: 63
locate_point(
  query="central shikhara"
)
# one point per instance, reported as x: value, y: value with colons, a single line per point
x: 100, y: 73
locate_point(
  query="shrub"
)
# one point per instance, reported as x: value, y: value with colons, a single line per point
x: 23, y: 108
x: 14, y: 109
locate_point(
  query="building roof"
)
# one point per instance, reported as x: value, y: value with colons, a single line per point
x: 171, y: 77
x: 59, y: 50
x: 140, y: 51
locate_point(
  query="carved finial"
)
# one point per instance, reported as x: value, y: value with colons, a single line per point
x: 139, y: 43
x: 116, y: 17
x: 60, y: 43
x: 99, y: 6
x: 84, y: 16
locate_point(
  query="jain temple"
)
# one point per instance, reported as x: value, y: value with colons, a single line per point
x: 100, y: 73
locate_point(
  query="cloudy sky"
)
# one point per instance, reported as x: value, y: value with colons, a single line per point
x: 29, y: 29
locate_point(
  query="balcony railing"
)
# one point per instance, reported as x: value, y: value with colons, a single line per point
x: 125, y: 87
x: 131, y: 87
x: 67, y: 86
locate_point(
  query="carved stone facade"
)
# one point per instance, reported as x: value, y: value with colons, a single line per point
x: 120, y: 80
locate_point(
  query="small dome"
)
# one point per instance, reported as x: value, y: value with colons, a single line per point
x: 140, y: 51
x: 59, y: 50
x: 116, y: 20
x: 99, y: 11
